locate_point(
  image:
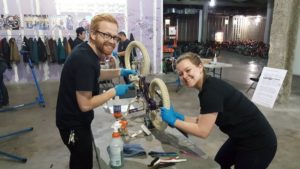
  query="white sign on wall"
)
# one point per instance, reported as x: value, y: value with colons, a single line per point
x: 172, y: 30
x: 268, y: 86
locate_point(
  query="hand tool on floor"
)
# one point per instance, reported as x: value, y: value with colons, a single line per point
x: 162, y: 154
x: 159, y: 162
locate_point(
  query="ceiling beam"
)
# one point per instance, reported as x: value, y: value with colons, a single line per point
x: 231, y: 3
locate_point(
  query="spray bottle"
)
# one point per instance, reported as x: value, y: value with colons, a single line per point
x: 116, y: 147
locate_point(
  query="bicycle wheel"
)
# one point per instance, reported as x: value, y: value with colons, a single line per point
x: 158, y: 91
x: 143, y: 65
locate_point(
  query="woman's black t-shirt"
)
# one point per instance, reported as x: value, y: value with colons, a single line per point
x: 81, y: 72
x: 238, y: 117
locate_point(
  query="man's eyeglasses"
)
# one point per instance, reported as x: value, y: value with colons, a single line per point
x: 107, y: 36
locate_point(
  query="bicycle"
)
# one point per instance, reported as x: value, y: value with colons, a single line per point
x: 150, y: 96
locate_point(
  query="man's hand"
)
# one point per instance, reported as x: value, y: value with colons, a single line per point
x: 127, y: 72
x: 122, y: 89
x: 115, y: 54
x: 168, y: 116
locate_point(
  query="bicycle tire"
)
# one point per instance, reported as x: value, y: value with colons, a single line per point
x: 165, y: 98
x: 145, y: 67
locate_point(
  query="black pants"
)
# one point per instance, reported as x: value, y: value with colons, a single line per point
x: 230, y: 155
x: 3, y: 90
x: 82, y: 150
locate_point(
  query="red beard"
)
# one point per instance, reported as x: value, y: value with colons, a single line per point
x: 106, y: 48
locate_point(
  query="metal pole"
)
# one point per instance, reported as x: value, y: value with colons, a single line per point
x: 17, y: 132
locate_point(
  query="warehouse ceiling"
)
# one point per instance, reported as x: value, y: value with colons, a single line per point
x: 249, y: 3
x: 223, y: 7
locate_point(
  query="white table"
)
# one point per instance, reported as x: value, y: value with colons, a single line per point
x: 218, y: 65
x: 169, y: 140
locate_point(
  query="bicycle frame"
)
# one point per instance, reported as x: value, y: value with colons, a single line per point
x: 148, y: 104
x: 142, y: 90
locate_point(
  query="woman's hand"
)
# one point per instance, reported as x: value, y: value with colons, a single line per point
x: 168, y: 116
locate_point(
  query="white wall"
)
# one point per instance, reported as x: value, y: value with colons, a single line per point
x: 140, y: 17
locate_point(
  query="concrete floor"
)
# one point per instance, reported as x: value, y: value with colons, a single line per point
x: 44, y: 148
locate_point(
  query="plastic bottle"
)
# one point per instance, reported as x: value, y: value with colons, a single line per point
x: 106, y: 63
x: 215, y: 59
x: 117, y: 111
x: 116, y: 148
x: 123, y: 129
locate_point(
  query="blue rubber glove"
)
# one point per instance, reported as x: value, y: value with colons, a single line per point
x: 168, y: 116
x: 127, y: 72
x: 115, y: 54
x: 122, y: 89
x: 177, y: 115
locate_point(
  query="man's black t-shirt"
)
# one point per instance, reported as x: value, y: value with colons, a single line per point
x: 122, y: 47
x: 80, y: 73
x: 237, y: 116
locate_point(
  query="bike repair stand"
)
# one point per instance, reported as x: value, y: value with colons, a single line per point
x: 12, y: 156
x: 39, y: 100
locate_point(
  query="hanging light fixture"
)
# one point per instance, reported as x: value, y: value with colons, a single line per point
x: 257, y: 19
x: 212, y: 3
